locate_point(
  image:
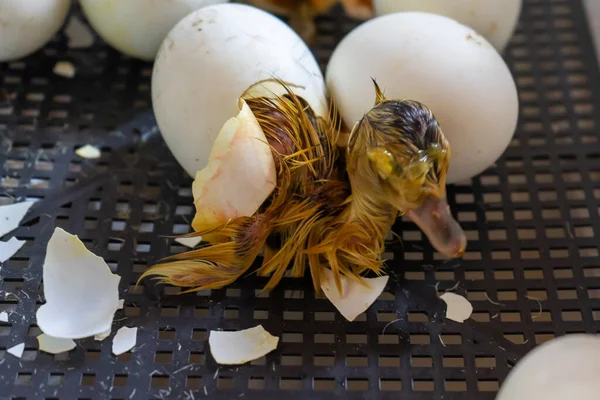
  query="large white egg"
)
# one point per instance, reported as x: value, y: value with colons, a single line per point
x: 495, y: 20
x: 138, y: 27
x: 441, y: 63
x: 207, y: 62
x: 563, y: 368
x: 27, y: 25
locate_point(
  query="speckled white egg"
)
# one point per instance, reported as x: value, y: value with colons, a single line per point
x: 495, y: 20
x: 563, y: 368
x: 138, y: 27
x: 27, y: 25
x: 441, y: 63
x: 207, y: 62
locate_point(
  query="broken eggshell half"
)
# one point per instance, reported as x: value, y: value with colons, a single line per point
x: 81, y: 292
x: 240, y: 347
x: 239, y: 177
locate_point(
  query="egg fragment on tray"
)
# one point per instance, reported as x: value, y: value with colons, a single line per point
x: 206, y: 63
x: 54, y: 345
x: 83, y: 305
x: 240, y: 347
x: 27, y: 25
x: 11, y: 216
x: 137, y: 27
x: 440, y: 63
x: 495, y: 20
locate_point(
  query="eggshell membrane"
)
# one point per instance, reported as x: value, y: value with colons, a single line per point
x: 240, y: 347
x: 564, y: 368
x: 213, y: 56
x: 138, y: 27
x: 441, y: 63
x: 81, y: 292
x: 27, y: 25
x: 495, y: 20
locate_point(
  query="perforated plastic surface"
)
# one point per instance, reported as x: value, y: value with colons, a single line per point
x: 532, y: 270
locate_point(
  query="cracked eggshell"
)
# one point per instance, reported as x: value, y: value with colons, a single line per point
x: 9, y: 248
x: 458, y: 309
x: 11, y: 216
x: 138, y: 27
x: 440, y: 63
x: 564, y: 368
x: 81, y: 292
x: 124, y: 340
x: 101, y: 336
x: 356, y: 298
x: 189, y: 241
x: 239, y: 176
x: 209, y: 59
x: 240, y: 347
x: 495, y: 20
x: 54, y: 345
x: 17, y: 350
x: 3, y: 316
x: 27, y: 25
x: 88, y: 151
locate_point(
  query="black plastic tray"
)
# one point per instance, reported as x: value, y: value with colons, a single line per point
x: 532, y: 270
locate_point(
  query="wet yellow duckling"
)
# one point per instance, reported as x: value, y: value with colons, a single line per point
x: 329, y: 209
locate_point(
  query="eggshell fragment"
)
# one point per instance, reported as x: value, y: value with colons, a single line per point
x: 54, y: 345
x: 355, y: 297
x: 101, y: 336
x: 81, y: 291
x: 459, y: 309
x: 64, y: 69
x: 239, y: 176
x: 124, y: 340
x: 240, y: 347
x: 3, y: 316
x: 189, y: 242
x: 9, y: 248
x: 121, y: 304
x: 11, y: 215
x: 17, y: 350
x: 88, y: 151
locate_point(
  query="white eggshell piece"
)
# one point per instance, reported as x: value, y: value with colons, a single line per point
x: 495, y: 20
x: 27, y: 25
x: 124, y: 340
x: 239, y: 176
x: 209, y: 59
x: 54, y: 345
x: 459, y: 309
x: 79, y: 34
x: 17, y: 350
x: 564, y: 368
x: 101, y: 336
x: 189, y: 242
x: 440, y: 63
x: 11, y: 215
x: 356, y: 298
x: 121, y: 304
x: 64, y: 69
x: 138, y: 27
x: 9, y: 248
x: 88, y: 151
x: 81, y: 292
x: 3, y: 316
x: 240, y: 347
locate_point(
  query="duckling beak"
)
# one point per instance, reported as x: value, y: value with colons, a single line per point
x: 440, y: 227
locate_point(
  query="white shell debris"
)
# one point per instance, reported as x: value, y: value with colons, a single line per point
x: 459, y: 309
x: 64, y: 69
x: 356, y: 297
x: 189, y: 242
x: 121, y: 304
x: 235, y: 348
x: 9, y: 248
x: 11, y: 215
x: 101, y: 336
x: 17, y: 350
x: 88, y: 151
x: 79, y: 34
x: 81, y: 292
x: 3, y: 316
x: 53, y: 345
x: 124, y: 340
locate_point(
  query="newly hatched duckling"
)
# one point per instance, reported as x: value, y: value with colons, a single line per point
x: 329, y: 209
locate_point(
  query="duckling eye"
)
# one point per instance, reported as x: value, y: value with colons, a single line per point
x: 383, y: 161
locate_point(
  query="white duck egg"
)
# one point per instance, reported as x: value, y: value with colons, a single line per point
x: 495, y: 20
x: 27, y: 25
x: 207, y: 62
x: 440, y: 63
x: 138, y: 27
